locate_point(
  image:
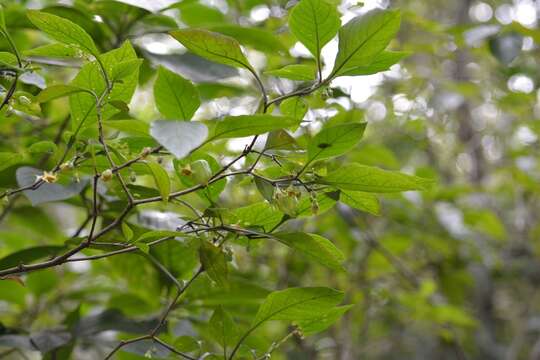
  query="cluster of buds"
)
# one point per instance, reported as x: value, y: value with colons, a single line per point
x: 314, y: 203
x: 287, y: 200
x: 48, y: 177
x: 68, y: 165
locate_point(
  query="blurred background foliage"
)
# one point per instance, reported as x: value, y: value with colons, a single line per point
x: 451, y: 273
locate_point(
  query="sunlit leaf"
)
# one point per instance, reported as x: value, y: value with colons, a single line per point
x: 63, y: 30
x: 212, y: 46
x: 373, y: 179
x: 363, y: 38
x: 246, y: 125
x: 294, y: 72
x: 176, y: 97
x: 314, y: 23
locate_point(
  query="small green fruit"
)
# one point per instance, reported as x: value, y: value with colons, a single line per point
x: 200, y: 171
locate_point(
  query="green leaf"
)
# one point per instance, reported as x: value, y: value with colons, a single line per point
x: 325, y: 201
x: 335, y: 141
x: 363, y: 38
x: 136, y: 127
x: 161, y: 179
x: 361, y: 201
x: 314, y: 247
x: 42, y: 147
x: 2, y: 20
x: 256, y: 38
x: 266, y: 189
x: 126, y: 231
x: 157, y: 234
x: 56, y: 50
x: 214, y: 263
x: 90, y: 77
x: 186, y: 344
x: 294, y: 107
x: 382, y: 62
x: 295, y: 304
x: 222, y: 328
x: 57, y: 91
x: 314, y: 23
x: 196, y: 14
x: 28, y: 255
x: 322, y: 322
x: 247, y: 125
x: 373, y: 179
x: 8, y: 159
x: 213, y: 46
x: 125, y: 68
x: 176, y: 97
x: 63, y: 30
x: 179, y: 137
x: 280, y: 140
x: 297, y: 72
x: 8, y: 60
x: 145, y: 248
x: 260, y: 215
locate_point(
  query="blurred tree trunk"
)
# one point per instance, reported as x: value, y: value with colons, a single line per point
x: 471, y: 140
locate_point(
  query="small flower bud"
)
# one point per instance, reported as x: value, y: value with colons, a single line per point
x: 106, y: 175
x: 66, y: 166
x: 186, y: 170
x: 145, y: 152
x: 315, y: 207
x: 49, y: 177
x: 286, y: 203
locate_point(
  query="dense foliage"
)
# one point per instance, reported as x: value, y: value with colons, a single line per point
x: 203, y: 180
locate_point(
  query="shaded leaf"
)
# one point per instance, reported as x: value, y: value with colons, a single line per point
x: 314, y: 247
x: 161, y: 178
x: 28, y: 255
x: 256, y: 38
x: 222, y: 328
x: 294, y: 107
x: 8, y: 159
x: 323, y: 322
x: 361, y: 201
x: 335, y: 141
x: 295, y: 304
x: 214, y: 262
